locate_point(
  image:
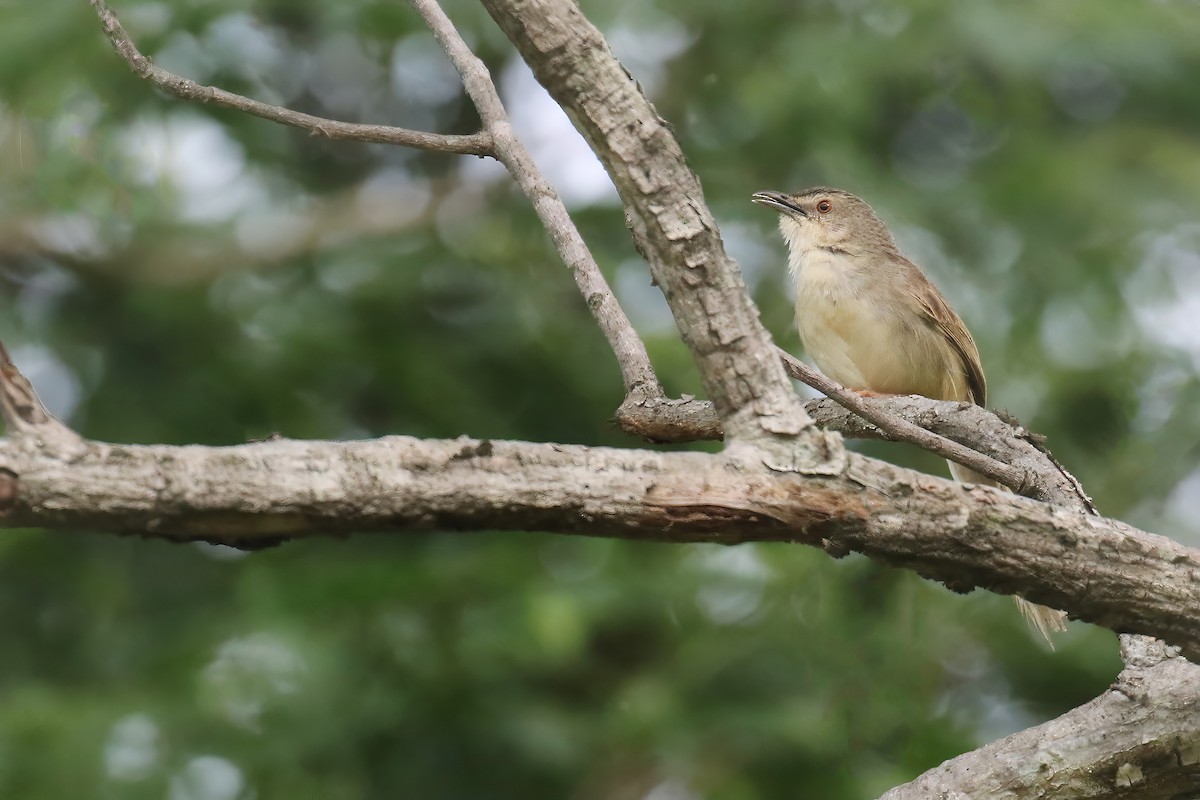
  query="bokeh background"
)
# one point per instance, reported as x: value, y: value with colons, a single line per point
x: 174, y: 273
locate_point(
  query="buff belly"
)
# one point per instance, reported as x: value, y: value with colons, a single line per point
x: 863, y: 338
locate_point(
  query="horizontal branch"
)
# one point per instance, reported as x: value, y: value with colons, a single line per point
x: 668, y: 421
x: 474, y: 144
x: 1100, y: 570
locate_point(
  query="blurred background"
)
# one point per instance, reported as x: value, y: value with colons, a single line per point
x: 175, y: 273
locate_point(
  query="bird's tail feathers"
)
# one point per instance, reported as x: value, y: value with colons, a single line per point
x: 1046, y: 620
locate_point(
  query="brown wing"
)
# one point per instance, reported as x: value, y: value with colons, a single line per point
x: 942, y: 317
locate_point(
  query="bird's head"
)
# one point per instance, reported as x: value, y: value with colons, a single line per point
x: 827, y: 219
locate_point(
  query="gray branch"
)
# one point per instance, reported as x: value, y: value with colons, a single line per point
x: 664, y: 205
x: 636, y: 370
x: 1100, y: 570
x: 475, y: 144
x: 497, y: 140
x: 965, y: 432
x: 1140, y: 739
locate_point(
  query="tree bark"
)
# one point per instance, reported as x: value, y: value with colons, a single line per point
x: 1100, y: 570
x: 673, y: 227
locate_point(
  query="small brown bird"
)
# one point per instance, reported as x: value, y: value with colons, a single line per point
x: 873, y: 322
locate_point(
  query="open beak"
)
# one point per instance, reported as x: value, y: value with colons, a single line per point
x: 778, y: 201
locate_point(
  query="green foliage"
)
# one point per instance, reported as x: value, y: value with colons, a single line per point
x: 171, y: 273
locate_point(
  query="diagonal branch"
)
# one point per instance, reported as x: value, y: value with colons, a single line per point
x: 636, y: 370
x: 20, y: 406
x: 475, y: 144
x: 982, y: 430
x: 665, y: 206
x: 1140, y: 739
x: 1052, y: 484
x: 29, y: 428
x: 897, y: 427
x: 496, y: 140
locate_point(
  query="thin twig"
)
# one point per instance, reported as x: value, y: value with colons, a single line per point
x: 637, y: 373
x: 475, y: 144
x: 1016, y: 479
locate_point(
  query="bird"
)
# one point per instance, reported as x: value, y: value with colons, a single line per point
x: 871, y: 320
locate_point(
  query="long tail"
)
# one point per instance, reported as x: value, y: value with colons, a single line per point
x: 1046, y: 620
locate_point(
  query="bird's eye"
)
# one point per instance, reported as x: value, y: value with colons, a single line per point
x: 824, y: 206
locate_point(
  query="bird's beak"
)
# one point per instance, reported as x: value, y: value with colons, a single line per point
x: 778, y: 201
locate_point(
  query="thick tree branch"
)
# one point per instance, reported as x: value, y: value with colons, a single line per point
x: 475, y: 144
x: 1100, y: 570
x: 665, y: 206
